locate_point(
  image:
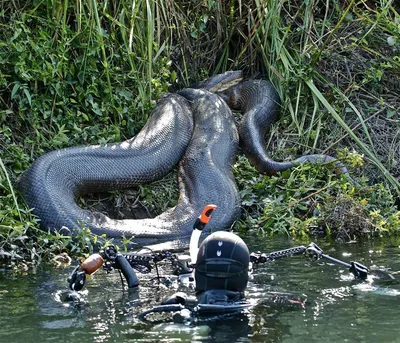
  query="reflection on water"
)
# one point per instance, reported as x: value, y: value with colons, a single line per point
x: 338, y: 308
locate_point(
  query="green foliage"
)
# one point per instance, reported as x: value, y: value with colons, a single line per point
x: 68, y: 79
x: 57, y: 85
x: 151, y: 194
x: 310, y: 200
x: 285, y: 203
x: 89, y: 72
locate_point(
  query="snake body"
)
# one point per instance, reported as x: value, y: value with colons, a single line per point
x: 194, y: 127
x: 196, y: 135
x: 260, y: 104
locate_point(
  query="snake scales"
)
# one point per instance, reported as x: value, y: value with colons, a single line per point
x: 194, y: 127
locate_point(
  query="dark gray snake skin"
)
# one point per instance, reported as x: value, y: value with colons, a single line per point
x: 202, y: 136
x: 260, y: 104
x: 195, y: 128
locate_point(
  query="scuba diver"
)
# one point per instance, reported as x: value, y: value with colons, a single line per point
x: 218, y: 271
x: 221, y: 275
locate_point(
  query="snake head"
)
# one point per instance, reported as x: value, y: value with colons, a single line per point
x: 220, y: 82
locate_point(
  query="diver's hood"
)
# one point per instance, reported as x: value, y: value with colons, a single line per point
x: 222, y: 263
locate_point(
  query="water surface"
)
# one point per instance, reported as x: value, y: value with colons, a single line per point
x: 337, y: 308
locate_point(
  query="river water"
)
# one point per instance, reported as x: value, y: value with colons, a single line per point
x: 337, y: 308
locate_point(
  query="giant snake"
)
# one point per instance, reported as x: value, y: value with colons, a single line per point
x: 194, y: 127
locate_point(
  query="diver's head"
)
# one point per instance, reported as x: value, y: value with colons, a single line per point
x: 222, y: 263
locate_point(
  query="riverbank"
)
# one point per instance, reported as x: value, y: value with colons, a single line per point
x: 81, y: 73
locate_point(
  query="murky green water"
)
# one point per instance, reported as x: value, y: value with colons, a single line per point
x: 338, y: 308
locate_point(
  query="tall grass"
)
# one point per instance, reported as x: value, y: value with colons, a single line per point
x: 85, y: 72
x: 288, y: 38
x: 294, y: 68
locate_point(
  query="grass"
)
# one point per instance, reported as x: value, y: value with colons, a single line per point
x: 78, y: 73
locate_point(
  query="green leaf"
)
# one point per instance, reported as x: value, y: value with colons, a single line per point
x: 15, y: 90
x: 28, y: 95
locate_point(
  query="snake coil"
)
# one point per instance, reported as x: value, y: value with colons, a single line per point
x: 195, y: 128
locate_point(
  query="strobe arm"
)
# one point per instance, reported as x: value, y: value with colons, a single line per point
x: 312, y: 250
x: 259, y: 257
x: 357, y: 269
